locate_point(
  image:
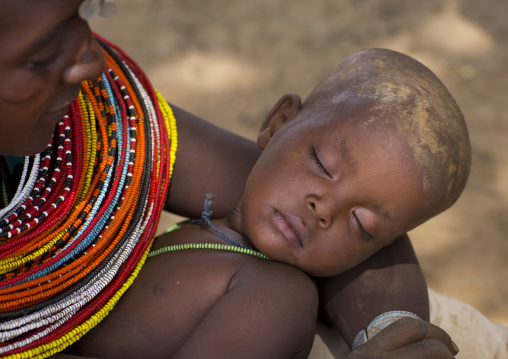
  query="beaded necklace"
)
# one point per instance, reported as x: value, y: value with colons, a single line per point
x: 80, y: 225
x: 212, y: 246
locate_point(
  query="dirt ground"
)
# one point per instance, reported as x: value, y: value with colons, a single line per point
x: 229, y: 61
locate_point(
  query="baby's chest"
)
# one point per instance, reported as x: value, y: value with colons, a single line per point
x: 168, y: 300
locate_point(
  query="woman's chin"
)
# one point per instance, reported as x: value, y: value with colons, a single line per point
x: 30, y: 149
x: 31, y: 145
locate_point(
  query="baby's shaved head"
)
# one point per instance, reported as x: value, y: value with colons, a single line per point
x: 404, y: 95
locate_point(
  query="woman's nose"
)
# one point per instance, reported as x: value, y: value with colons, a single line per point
x: 88, y: 63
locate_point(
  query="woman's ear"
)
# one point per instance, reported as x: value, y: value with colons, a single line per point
x: 284, y: 111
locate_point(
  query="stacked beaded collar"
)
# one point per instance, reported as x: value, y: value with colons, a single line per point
x: 80, y: 225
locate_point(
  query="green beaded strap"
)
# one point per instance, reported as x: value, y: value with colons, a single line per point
x: 215, y: 246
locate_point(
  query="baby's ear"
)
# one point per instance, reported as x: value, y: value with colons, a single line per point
x: 284, y: 111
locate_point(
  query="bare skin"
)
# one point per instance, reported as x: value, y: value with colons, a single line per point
x: 366, y: 286
x: 70, y: 56
x: 195, y: 304
x: 42, y: 64
x: 200, y: 144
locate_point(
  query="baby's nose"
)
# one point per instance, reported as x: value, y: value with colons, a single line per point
x: 321, y: 211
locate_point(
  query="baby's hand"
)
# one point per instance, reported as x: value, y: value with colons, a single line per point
x: 408, y: 338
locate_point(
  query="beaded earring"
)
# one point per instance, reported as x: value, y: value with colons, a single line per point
x: 91, y: 8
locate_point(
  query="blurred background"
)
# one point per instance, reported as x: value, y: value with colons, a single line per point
x: 230, y: 61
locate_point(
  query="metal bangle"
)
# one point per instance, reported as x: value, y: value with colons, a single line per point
x: 378, y: 324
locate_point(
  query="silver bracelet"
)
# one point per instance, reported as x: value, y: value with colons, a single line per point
x: 378, y: 324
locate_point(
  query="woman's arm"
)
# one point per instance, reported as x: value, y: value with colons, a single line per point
x: 389, y: 280
x: 209, y: 159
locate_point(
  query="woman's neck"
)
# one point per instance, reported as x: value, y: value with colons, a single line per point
x: 10, y: 174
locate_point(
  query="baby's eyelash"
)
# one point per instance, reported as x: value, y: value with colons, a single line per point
x: 365, y: 235
x: 317, y: 161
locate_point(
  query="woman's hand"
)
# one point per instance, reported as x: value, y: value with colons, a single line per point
x: 408, y: 338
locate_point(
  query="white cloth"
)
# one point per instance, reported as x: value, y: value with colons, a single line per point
x: 475, y: 335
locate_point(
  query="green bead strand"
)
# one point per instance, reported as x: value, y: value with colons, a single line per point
x: 214, y: 246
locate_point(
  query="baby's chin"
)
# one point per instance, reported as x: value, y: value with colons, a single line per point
x: 314, y: 270
x: 323, y: 271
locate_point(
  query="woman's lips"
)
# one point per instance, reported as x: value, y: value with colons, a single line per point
x: 286, y: 228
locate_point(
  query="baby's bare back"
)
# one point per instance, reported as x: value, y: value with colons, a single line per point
x: 196, y: 302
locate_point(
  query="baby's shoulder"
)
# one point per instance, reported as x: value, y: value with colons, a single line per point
x: 180, y: 295
x: 187, y: 271
x: 191, y: 251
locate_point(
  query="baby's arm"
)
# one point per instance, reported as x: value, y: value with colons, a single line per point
x: 209, y: 159
x: 389, y: 280
x: 266, y: 313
